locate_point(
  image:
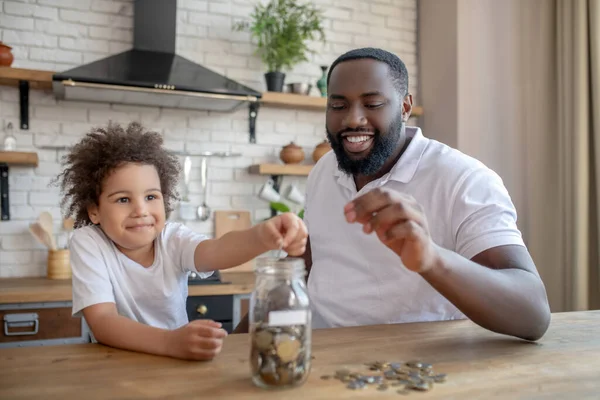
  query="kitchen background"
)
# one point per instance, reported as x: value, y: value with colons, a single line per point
x: 57, y: 35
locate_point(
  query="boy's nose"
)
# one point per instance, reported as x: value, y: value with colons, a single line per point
x: 140, y: 209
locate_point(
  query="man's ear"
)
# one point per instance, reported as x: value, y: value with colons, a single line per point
x: 407, y: 104
x: 93, y: 213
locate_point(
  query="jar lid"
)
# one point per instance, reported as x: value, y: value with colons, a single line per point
x: 277, y: 266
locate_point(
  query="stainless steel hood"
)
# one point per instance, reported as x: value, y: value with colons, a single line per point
x: 151, y: 73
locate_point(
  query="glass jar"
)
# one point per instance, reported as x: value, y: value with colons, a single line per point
x: 280, y: 324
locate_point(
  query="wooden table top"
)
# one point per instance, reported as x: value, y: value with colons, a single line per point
x: 564, y: 364
x: 36, y: 290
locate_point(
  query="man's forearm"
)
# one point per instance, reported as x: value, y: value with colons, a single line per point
x: 509, y: 301
x: 120, y: 332
x: 230, y: 250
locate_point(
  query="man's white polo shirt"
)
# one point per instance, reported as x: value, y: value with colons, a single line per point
x: 355, y: 279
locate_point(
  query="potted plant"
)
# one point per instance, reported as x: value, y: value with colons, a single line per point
x: 283, y: 208
x: 282, y: 30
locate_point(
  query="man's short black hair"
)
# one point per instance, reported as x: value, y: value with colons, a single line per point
x: 398, y: 71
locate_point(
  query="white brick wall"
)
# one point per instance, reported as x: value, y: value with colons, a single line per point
x: 60, y: 34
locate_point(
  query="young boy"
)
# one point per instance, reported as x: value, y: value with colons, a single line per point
x: 129, y: 265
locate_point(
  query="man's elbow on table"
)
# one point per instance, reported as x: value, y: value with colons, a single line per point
x: 538, y: 325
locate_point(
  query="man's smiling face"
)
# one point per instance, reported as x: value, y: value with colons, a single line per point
x: 364, y: 115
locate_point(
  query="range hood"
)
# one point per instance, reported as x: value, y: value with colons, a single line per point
x: 151, y: 73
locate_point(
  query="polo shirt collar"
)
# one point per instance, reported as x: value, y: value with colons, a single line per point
x: 405, y: 168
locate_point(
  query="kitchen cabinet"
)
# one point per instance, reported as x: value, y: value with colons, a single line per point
x: 41, y: 324
x: 226, y: 309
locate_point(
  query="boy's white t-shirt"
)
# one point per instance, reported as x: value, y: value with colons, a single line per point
x: 154, y: 296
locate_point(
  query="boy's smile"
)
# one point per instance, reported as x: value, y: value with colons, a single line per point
x: 131, y: 210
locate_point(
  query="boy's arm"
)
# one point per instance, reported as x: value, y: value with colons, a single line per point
x: 230, y: 250
x: 200, y: 340
x: 235, y: 248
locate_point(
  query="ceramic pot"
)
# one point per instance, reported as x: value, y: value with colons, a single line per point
x: 6, y: 57
x: 291, y: 154
x: 274, y: 81
x: 320, y: 150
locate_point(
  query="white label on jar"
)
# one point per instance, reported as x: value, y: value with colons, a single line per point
x: 286, y: 318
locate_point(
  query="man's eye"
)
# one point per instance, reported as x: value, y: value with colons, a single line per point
x: 336, y: 106
x: 374, y: 105
x: 122, y: 200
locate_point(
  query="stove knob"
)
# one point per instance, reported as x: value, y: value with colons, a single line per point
x: 202, y: 309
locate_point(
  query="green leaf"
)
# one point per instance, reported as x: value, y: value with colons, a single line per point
x: 281, y: 207
x: 282, y: 30
x: 301, y: 214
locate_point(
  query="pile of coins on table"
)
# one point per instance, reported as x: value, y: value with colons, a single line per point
x: 407, y: 377
x: 279, y: 355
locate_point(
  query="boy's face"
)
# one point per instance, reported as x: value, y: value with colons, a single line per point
x: 131, y: 209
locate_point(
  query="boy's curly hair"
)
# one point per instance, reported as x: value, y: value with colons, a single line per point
x: 98, y: 154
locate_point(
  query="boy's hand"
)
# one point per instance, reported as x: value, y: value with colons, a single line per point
x: 198, y: 340
x: 285, y: 231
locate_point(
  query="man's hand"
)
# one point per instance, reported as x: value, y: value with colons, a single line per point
x: 399, y: 222
x: 198, y: 340
x: 285, y: 231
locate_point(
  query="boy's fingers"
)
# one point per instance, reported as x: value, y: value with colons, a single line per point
x: 290, y: 228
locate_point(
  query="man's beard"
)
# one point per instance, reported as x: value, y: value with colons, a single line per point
x: 384, y: 146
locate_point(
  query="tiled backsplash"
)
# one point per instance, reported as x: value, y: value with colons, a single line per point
x: 60, y: 34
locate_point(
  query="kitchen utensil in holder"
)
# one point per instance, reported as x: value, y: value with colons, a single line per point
x: 59, y: 264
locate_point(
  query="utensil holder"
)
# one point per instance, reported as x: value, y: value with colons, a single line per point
x: 59, y: 265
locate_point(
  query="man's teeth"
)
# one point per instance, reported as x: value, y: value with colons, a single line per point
x: 357, y: 139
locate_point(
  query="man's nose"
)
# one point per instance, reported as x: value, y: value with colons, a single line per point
x: 355, y: 118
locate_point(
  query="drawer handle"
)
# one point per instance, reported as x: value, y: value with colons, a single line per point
x: 202, y: 309
x: 21, y: 321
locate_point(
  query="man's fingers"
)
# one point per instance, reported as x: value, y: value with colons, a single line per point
x: 408, y: 230
x: 362, y: 208
x: 392, y: 215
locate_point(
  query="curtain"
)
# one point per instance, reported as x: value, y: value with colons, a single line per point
x: 578, y: 120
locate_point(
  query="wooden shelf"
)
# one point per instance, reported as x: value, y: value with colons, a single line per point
x: 43, y: 80
x: 291, y: 100
x: 19, y: 158
x: 281, y: 169
x: 37, y: 79
x: 297, y: 101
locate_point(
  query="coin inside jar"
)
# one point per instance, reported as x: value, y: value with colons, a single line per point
x: 279, y: 357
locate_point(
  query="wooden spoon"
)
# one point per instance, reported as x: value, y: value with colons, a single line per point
x: 40, y: 234
x: 46, y: 222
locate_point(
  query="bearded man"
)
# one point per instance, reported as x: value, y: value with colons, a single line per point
x: 403, y: 228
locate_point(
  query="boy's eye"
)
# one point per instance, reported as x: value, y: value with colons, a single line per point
x: 122, y: 200
x: 151, y: 197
